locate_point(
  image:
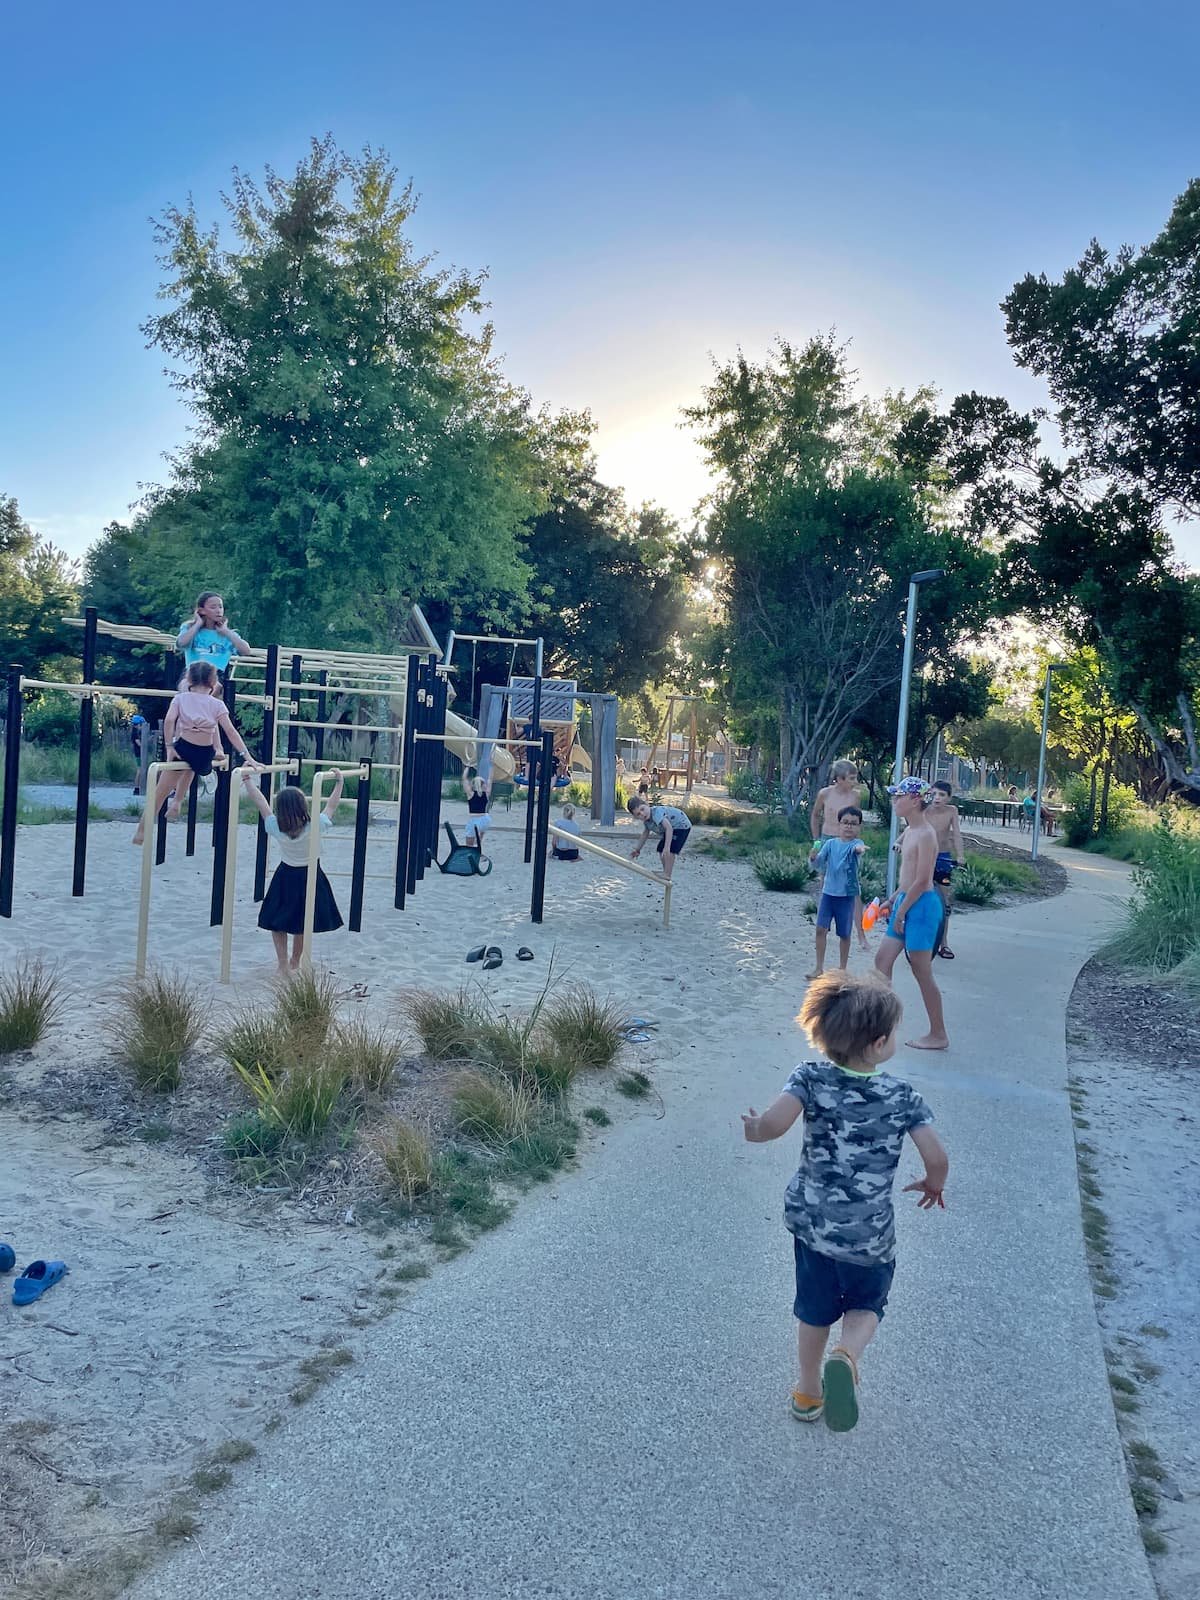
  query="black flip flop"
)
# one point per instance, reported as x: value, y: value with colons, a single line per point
x: 493, y: 957
x: 478, y: 953
x: 946, y: 955
x: 524, y: 953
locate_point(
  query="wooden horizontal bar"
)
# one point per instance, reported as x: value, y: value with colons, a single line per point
x: 609, y: 855
x: 85, y: 691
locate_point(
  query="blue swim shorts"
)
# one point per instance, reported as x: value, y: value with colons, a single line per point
x: 922, y: 924
x: 836, y: 910
x: 827, y: 1288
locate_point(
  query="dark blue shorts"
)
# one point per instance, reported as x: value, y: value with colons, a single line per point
x: 678, y: 839
x: 836, y: 910
x: 826, y: 1287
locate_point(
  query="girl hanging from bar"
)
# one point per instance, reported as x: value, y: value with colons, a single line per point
x: 194, y: 723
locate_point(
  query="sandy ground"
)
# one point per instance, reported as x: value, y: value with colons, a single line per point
x: 189, y: 1300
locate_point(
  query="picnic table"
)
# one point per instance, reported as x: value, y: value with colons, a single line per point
x: 1000, y: 812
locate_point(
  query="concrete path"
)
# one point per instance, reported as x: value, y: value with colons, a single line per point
x: 591, y: 1401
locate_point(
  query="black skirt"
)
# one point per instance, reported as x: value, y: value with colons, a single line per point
x: 198, y: 756
x: 283, y: 905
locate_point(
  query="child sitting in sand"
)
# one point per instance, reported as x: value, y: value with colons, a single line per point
x: 561, y: 850
x: 838, y: 1207
x: 672, y: 826
x: 837, y: 860
x: 194, y: 723
x: 283, y: 905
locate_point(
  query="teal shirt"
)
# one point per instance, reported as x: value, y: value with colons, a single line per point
x: 217, y: 648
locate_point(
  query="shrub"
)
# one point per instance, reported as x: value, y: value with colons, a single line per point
x: 1079, y: 824
x: 585, y: 1029
x: 755, y: 833
x: 492, y: 1108
x: 788, y: 874
x: 446, y: 1024
x: 712, y: 814
x: 407, y: 1156
x: 367, y: 1056
x: 30, y: 1002
x: 976, y: 884
x: 250, y: 1137
x: 1162, y: 922
x: 306, y: 1005
x: 258, y: 1041
x: 161, y: 1018
x: 1008, y: 874
x: 754, y: 790
x: 302, y: 1101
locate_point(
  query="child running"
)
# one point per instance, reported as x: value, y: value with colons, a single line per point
x: 838, y: 1207
x: 194, y: 723
x: 672, y: 826
x: 837, y: 860
x: 283, y: 905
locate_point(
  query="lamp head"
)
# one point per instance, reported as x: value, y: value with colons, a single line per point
x: 928, y: 577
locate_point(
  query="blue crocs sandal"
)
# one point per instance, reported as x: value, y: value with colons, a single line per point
x: 35, y: 1280
x: 8, y: 1258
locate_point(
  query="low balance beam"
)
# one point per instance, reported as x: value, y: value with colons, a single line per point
x: 576, y: 840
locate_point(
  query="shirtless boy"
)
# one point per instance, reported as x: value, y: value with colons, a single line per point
x: 915, y: 911
x: 943, y: 819
x: 830, y: 801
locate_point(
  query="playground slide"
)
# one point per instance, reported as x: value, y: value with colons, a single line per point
x: 464, y: 741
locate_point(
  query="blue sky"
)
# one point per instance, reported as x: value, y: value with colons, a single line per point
x: 648, y: 185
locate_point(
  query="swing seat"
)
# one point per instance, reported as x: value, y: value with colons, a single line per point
x: 464, y: 860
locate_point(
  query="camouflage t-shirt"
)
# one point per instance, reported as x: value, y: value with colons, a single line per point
x: 840, y: 1201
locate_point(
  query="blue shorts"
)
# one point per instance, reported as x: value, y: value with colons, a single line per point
x: 827, y: 1288
x: 922, y: 924
x: 836, y: 910
x: 943, y: 868
x: 679, y: 837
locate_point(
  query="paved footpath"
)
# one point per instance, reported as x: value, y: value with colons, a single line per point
x: 590, y: 1403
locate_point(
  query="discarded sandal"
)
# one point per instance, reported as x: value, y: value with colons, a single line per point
x: 8, y: 1258
x: 478, y: 953
x: 493, y: 957
x: 524, y: 953
x: 35, y: 1280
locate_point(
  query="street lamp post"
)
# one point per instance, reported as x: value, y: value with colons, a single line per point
x: 1051, y: 667
x: 910, y: 639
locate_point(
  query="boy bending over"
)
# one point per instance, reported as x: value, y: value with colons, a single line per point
x: 838, y: 1207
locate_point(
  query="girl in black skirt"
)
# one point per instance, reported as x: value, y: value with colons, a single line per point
x: 283, y: 906
x: 194, y: 723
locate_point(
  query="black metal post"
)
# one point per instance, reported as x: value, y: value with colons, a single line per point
x: 358, y: 868
x: 441, y: 699
x: 220, y: 832
x: 416, y: 834
x: 542, y: 838
x: 266, y: 753
x: 193, y: 807
x: 83, y: 772
x: 12, y: 789
x: 294, y: 711
x: 322, y: 715
x: 407, y: 749
x: 532, y: 755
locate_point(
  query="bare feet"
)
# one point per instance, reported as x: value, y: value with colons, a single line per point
x: 173, y: 813
x: 138, y: 838
x: 929, y: 1041
x: 809, y: 976
x: 284, y: 970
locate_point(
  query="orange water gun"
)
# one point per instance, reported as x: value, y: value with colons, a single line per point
x: 870, y: 915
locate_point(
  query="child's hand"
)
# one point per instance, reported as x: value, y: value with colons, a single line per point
x: 930, y: 1195
x: 860, y: 849
x: 635, y: 853
x: 750, y: 1125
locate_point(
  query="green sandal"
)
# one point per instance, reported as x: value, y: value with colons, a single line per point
x: 840, y: 1390
x: 803, y: 1407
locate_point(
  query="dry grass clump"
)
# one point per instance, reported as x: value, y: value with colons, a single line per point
x: 446, y: 1024
x: 161, y: 1019
x: 31, y: 999
x: 260, y: 1041
x: 586, y: 1030
x: 368, y: 1056
x: 493, y: 1108
x: 407, y: 1156
x: 306, y: 1006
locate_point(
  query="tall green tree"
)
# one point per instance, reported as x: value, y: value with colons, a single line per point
x: 358, y: 447
x: 39, y: 585
x: 813, y: 530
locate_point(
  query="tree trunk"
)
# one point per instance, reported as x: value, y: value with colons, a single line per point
x: 1092, y: 804
x: 1108, y: 772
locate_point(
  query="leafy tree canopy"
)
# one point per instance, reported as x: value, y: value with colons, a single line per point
x: 38, y: 587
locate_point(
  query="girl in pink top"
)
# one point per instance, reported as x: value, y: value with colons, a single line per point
x: 192, y: 730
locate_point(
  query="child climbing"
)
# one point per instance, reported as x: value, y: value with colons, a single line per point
x: 479, y: 819
x: 194, y: 723
x: 283, y: 906
x: 208, y: 637
x: 672, y: 826
x: 838, y: 1207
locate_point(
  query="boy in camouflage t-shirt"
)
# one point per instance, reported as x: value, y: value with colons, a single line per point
x: 838, y: 1206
